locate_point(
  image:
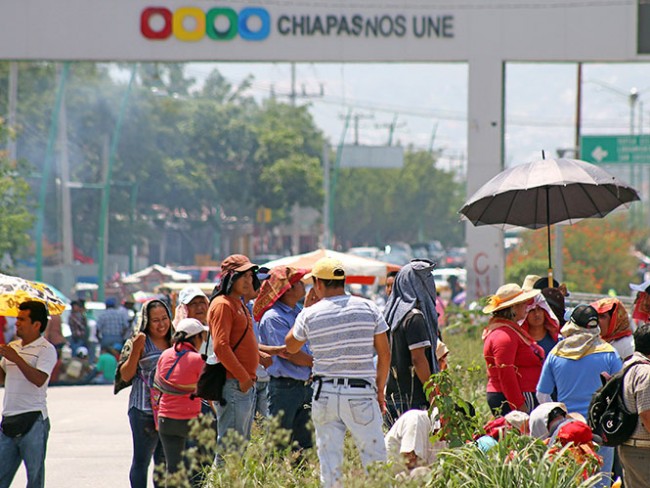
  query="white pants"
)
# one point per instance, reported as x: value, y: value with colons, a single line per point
x: 338, y: 408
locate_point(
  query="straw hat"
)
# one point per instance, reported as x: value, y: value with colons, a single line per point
x: 507, y: 296
x: 529, y: 282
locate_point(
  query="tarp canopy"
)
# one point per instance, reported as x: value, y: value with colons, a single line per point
x: 156, y: 273
x: 358, y: 269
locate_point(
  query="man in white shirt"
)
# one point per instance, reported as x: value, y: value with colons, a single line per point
x: 344, y: 332
x: 408, y: 440
x: 25, y: 369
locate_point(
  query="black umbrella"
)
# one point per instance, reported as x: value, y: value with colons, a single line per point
x: 546, y: 192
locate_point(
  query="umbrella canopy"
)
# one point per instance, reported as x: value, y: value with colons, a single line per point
x: 357, y: 269
x: 157, y: 273
x: 546, y: 192
x: 14, y: 291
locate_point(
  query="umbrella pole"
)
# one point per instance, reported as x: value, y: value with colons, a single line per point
x: 548, y: 238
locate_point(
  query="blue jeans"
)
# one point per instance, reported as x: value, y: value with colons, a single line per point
x: 76, y: 343
x: 110, y: 341
x: 237, y: 413
x: 30, y: 448
x: 292, y: 399
x: 146, y: 444
x: 262, y: 399
x: 338, y: 408
x: 607, y: 453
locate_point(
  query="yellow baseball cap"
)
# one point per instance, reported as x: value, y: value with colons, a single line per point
x: 327, y: 269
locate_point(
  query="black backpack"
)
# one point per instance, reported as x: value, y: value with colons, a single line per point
x: 607, y: 415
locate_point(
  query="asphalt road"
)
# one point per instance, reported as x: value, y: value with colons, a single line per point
x: 90, y: 439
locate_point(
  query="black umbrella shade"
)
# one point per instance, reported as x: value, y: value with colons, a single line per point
x: 546, y: 192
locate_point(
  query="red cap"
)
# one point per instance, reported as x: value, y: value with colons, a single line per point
x: 576, y: 432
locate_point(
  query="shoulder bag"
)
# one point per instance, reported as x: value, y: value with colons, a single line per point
x: 213, y: 378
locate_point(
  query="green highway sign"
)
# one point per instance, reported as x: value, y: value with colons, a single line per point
x: 615, y: 149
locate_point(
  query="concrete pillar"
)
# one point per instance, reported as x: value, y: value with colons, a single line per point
x: 485, y: 248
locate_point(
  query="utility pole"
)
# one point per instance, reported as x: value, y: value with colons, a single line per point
x: 66, y: 207
x: 433, y: 137
x: 326, y: 202
x: 391, y: 128
x: 356, y: 117
x: 293, y: 94
x: 104, y: 220
x: 102, y: 246
x: 45, y: 176
x: 634, y: 98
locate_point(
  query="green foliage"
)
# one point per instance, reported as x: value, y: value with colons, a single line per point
x: 596, y: 255
x: 514, y: 462
x: 418, y: 202
x: 458, y: 425
x: 203, y: 155
x: 15, y: 207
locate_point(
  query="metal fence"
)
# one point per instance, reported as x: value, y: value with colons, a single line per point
x: 576, y: 298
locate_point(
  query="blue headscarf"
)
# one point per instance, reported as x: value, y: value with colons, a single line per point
x: 415, y: 287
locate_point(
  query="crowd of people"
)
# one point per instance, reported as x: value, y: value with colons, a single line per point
x: 540, y: 355
x: 334, y: 361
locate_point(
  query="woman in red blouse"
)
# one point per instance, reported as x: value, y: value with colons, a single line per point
x: 513, y: 358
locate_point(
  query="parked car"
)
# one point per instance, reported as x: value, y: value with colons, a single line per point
x: 399, y: 253
x: 371, y: 252
x: 397, y: 257
x: 262, y: 259
x: 456, y: 257
x: 431, y: 250
x: 398, y: 247
x: 442, y: 276
x: 201, y: 274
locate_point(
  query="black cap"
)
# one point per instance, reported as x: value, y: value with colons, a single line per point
x: 542, y: 283
x: 585, y: 316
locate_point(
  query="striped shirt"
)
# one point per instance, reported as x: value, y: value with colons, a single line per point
x: 140, y: 396
x: 341, y: 332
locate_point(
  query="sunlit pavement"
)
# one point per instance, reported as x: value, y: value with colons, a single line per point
x: 90, y: 439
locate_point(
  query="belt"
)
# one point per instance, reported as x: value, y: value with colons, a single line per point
x: 637, y: 443
x: 349, y: 382
x: 285, y: 379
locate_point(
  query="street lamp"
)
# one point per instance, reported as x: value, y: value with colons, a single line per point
x: 633, y: 97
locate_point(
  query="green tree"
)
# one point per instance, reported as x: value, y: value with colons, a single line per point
x: 597, y: 255
x: 416, y: 202
x: 16, y: 209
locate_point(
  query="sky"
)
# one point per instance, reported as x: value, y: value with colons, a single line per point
x: 429, y: 101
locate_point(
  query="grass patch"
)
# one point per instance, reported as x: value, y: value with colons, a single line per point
x: 516, y: 461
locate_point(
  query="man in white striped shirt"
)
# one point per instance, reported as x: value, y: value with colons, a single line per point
x: 344, y: 333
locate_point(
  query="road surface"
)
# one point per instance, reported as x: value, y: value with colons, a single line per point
x: 90, y: 439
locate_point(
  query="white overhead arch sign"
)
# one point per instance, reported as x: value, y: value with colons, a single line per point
x: 318, y: 30
x: 483, y: 33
